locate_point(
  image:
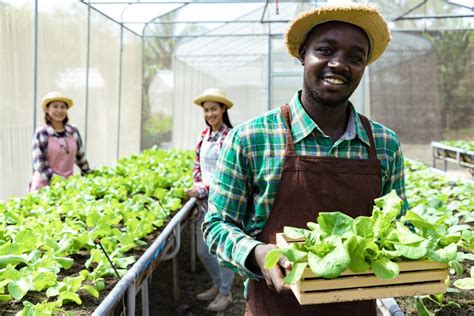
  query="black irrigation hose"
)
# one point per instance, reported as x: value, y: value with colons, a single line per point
x: 97, y: 241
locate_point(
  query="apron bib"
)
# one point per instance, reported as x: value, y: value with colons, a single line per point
x: 209, y: 155
x: 310, y: 185
x: 61, y: 155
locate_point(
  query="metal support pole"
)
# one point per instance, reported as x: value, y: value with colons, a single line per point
x: 88, y: 61
x: 269, y: 76
x: 192, y: 227
x: 131, y: 297
x: 143, y: 86
x: 119, y: 115
x: 35, y: 65
x: 120, y: 81
x: 145, y: 300
x: 176, y: 294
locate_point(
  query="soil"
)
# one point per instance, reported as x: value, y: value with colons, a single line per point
x: 465, y: 299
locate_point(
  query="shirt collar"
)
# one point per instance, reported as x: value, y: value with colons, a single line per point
x: 52, y: 132
x: 302, y: 125
x: 219, y: 132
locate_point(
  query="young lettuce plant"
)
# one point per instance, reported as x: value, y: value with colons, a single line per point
x: 337, y: 243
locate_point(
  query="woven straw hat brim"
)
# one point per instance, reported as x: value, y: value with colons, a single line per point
x: 215, y: 98
x: 66, y: 100
x: 366, y: 17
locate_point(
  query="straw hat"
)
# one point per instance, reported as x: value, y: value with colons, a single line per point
x: 55, y: 96
x: 213, y: 94
x: 366, y: 17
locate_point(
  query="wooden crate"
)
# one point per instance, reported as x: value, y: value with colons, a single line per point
x: 415, y: 278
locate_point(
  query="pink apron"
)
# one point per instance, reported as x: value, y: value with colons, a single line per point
x: 61, y: 154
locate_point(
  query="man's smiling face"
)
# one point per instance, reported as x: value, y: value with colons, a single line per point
x: 334, y: 56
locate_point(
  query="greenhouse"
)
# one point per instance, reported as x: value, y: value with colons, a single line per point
x: 120, y: 236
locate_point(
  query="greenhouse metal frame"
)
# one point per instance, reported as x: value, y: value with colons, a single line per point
x: 235, y: 45
x: 238, y: 47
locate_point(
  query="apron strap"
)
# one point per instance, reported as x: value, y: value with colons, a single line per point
x: 368, y: 130
x: 290, y: 145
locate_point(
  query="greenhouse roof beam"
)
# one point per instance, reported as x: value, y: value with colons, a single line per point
x: 264, y: 10
x: 206, y: 22
x: 177, y: 2
x: 151, y: 21
x: 422, y: 3
x: 421, y: 17
x: 213, y: 35
x: 109, y: 17
x: 459, y: 5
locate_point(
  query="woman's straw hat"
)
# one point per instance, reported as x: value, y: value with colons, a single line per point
x: 213, y: 94
x: 55, y: 96
x: 364, y: 16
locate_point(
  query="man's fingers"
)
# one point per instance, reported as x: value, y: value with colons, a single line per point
x: 279, y: 283
x: 284, y: 263
x: 283, y: 289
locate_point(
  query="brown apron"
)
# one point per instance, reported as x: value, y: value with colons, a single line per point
x: 310, y: 185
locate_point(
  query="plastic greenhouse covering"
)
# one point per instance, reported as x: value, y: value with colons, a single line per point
x: 134, y: 67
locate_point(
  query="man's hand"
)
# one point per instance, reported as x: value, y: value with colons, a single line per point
x: 192, y: 193
x: 273, y: 277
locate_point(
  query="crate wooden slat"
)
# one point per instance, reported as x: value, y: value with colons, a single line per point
x: 416, y: 278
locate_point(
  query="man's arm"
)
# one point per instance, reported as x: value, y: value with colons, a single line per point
x: 229, y: 206
x: 223, y: 227
x: 396, y: 175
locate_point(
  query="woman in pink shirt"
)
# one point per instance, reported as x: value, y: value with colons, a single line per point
x: 57, y: 145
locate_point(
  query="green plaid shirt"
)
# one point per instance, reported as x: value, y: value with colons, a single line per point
x: 250, y: 166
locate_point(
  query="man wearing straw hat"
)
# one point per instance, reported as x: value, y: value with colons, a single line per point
x: 314, y: 154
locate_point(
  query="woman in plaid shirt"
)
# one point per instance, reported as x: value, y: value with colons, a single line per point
x: 215, y: 106
x: 56, y: 145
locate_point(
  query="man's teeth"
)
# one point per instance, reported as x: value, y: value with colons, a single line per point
x: 334, y: 80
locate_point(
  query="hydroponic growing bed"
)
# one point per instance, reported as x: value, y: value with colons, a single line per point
x: 443, y: 200
x: 57, y: 245
x: 459, y: 152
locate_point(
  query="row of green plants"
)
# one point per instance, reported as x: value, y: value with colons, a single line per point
x: 104, y: 214
x: 462, y: 144
x: 437, y: 197
x: 437, y: 227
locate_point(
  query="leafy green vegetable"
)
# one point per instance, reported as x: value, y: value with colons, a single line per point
x: 120, y: 206
x: 333, y: 263
x: 384, y: 268
x: 336, y: 242
x: 272, y: 257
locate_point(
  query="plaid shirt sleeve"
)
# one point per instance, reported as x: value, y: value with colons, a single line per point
x: 228, y: 201
x: 203, y: 190
x: 81, y: 160
x: 40, y: 160
x: 395, y: 179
